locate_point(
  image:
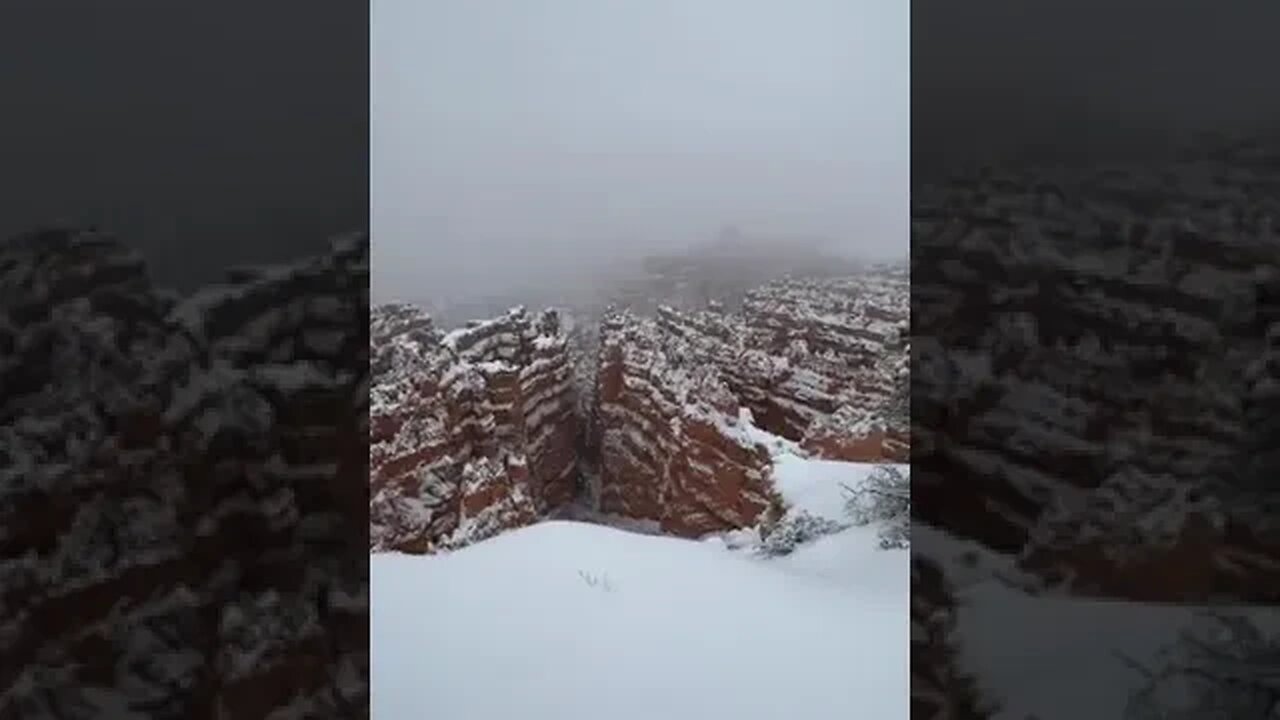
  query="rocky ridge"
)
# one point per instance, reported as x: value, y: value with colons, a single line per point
x: 673, y: 447
x: 472, y: 431
x: 848, y: 349
x: 182, y: 521
x: 671, y: 419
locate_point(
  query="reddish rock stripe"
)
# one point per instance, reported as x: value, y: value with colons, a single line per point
x: 480, y: 420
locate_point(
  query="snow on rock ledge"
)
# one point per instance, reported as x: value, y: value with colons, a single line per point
x: 691, y: 407
x: 667, y: 453
x: 472, y: 432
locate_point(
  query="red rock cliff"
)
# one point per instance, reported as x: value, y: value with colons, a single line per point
x: 472, y: 432
x: 846, y: 352
x: 477, y: 430
x: 818, y: 362
x: 824, y: 363
x: 671, y: 448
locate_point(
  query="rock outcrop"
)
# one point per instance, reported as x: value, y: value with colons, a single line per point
x: 820, y: 362
x: 472, y: 432
x: 845, y: 342
x: 182, y: 494
x: 672, y: 447
x: 682, y: 398
x: 670, y: 419
x: 1100, y: 426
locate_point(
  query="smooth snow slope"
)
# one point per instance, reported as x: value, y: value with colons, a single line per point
x: 818, y: 487
x: 659, y: 628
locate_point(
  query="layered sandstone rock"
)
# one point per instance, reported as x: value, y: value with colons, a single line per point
x: 472, y: 432
x: 689, y: 401
x: 672, y: 447
x: 483, y: 429
x: 1107, y: 405
x: 821, y: 362
x: 846, y: 340
x: 181, y: 486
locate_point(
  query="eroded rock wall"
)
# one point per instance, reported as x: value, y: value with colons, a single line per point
x: 672, y: 448
x: 473, y: 431
x: 682, y: 397
x: 846, y: 342
x: 482, y: 428
x: 819, y: 362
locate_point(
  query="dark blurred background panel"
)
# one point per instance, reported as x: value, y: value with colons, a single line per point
x: 183, y: 449
x: 1087, y: 82
x: 206, y: 134
x: 1095, y: 265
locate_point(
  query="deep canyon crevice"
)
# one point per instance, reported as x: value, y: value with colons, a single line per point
x: 666, y: 420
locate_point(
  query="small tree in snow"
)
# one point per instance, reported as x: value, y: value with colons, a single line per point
x: 885, y: 498
x: 794, y: 530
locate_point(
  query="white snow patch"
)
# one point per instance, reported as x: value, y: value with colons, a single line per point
x: 818, y: 487
x: 515, y: 627
x: 853, y: 559
x: 742, y: 429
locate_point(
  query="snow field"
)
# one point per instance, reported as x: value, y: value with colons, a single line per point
x: 565, y: 620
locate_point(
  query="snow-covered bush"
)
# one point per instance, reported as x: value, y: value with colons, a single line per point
x: 794, y: 530
x: 884, y: 498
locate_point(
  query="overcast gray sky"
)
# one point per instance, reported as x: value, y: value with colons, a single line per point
x: 535, y: 134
